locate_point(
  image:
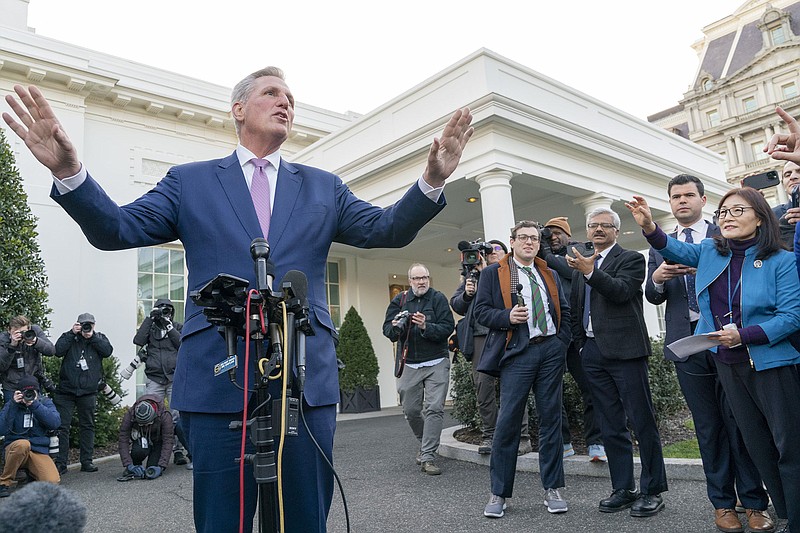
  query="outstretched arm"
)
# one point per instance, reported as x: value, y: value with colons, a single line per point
x: 445, y: 152
x: 42, y: 132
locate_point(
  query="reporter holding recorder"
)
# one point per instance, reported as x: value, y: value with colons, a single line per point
x: 747, y: 292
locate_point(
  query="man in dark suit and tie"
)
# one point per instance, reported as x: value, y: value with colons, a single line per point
x: 608, y: 324
x: 216, y: 208
x: 728, y: 467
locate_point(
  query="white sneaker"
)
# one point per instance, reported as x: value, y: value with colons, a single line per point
x: 569, y: 451
x: 554, y: 502
x: 189, y: 466
x: 597, y: 453
x: 495, y: 507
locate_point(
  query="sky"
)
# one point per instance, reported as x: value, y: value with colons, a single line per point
x: 350, y: 55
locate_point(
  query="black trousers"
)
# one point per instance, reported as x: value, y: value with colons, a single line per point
x: 591, y: 427
x: 728, y: 468
x: 152, y: 453
x: 621, y: 392
x: 765, y: 405
x: 65, y: 404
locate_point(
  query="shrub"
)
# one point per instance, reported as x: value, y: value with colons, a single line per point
x: 667, y: 396
x: 465, y: 406
x: 356, y: 352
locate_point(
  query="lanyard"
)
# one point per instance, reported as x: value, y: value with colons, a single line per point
x: 732, y: 294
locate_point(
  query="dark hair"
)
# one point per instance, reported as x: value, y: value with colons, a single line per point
x: 523, y: 224
x: 501, y: 244
x: 683, y: 179
x: 768, y: 234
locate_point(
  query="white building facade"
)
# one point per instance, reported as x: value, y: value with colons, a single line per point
x: 540, y: 149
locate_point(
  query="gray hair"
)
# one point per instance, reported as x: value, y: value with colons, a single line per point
x: 418, y: 265
x: 241, y: 92
x: 604, y: 211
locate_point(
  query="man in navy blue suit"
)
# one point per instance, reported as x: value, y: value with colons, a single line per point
x: 728, y: 467
x: 209, y: 207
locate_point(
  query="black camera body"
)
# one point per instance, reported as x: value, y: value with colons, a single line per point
x: 44, y: 382
x: 156, y: 313
x: 29, y: 335
x: 471, y: 255
x: 29, y: 395
x: 86, y: 327
x: 402, y: 319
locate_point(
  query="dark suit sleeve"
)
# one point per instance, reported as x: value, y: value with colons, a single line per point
x: 650, y: 292
x: 487, y: 311
x: 443, y: 323
x: 626, y: 282
x: 559, y: 264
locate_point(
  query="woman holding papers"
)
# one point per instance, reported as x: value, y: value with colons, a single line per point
x: 748, y: 293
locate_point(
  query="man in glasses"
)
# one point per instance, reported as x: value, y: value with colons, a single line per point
x: 521, y: 301
x: 420, y: 322
x: 727, y: 465
x: 554, y: 251
x: 608, y: 325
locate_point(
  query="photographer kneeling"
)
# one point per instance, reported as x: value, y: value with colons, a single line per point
x: 25, y: 422
x: 146, y: 432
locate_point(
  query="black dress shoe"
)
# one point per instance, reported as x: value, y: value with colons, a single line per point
x: 89, y: 467
x: 647, y: 505
x: 620, y: 499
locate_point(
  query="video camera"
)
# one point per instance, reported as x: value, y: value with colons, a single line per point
x: 471, y: 253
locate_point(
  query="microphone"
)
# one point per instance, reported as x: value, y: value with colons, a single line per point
x: 463, y: 245
x: 41, y: 506
x: 265, y: 270
x: 520, y: 299
x: 295, y: 286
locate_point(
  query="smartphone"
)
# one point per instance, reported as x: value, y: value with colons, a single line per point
x: 795, y: 196
x: 763, y: 180
x: 586, y: 249
x: 669, y: 261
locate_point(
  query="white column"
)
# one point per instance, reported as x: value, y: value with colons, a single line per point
x: 737, y: 141
x: 732, y: 159
x: 496, y: 205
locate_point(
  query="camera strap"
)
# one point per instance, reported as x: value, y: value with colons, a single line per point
x: 402, y: 352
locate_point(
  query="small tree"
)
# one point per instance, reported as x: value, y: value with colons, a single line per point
x: 23, y: 283
x: 356, y: 352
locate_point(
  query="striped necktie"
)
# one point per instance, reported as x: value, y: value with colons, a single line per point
x: 537, y: 304
x: 691, y: 289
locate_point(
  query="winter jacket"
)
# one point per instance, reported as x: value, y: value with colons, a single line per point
x: 467, y: 327
x: 424, y: 345
x: 45, y: 418
x: 72, y: 346
x: 162, y: 341
x: 31, y: 357
x: 160, y: 431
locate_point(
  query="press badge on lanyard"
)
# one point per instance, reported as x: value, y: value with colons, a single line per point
x: 27, y: 420
x: 20, y: 362
x: 82, y: 364
x: 144, y: 443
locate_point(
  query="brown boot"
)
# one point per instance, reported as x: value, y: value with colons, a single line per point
x: 727, y: 520
x: 759, y: 520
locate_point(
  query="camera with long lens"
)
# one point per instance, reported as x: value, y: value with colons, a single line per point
x: 128, y: 371
x: 86, y: 327
x: 53, y: 434
x: 402, y: 319
x: 29, y: 395
x: 28, y: 335
x: 110, y: 394
x: 471, y: 255
x: 45, y: 383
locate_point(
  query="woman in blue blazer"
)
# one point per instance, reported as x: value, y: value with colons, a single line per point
x: 747, y: 291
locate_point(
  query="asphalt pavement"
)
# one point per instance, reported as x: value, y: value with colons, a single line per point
x: 386, y: 492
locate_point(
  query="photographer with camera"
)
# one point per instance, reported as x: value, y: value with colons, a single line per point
x: 21, y: 350
x: 160, y: 336
x: 788, y: 214
x: 25, y: 421
x: 472, y: 337
x: 556, y: 241
x: 82, y: 349
x: 420, y: 322
x: 146, y: 432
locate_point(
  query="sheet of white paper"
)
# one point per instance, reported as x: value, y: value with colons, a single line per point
x: 692, y: 344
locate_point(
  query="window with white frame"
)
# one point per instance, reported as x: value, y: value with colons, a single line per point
x: 712, y: 118
x: 749, y: 104
x: 332, y: 287
x: 789, y: 90
x: 778, y: 35
x: 757, y: 151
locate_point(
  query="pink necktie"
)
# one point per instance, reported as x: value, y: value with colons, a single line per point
x: 259, y: 191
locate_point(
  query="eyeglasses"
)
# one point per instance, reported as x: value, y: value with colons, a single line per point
x: 527, y: 238
x: 419, y: 278
x: 604, y: 225
x: 497, y: 248
x: 733, y: 212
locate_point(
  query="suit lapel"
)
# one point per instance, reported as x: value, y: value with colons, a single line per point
x: 611, y: 257
x: 231, y: 178
x: 286, y: 193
